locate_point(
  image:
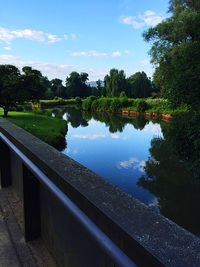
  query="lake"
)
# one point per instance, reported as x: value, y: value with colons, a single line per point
x: 147, y: 159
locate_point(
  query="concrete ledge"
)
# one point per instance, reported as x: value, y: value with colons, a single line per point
x: 145, y: 236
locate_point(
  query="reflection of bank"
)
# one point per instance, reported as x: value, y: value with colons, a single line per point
x: 166, y: 117
x: 172, y: 173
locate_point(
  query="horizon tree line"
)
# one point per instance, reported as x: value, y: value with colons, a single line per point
x: 30, y: 85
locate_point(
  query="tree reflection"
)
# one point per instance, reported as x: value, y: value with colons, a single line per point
x: 173, y: 172
x: 116, y: 123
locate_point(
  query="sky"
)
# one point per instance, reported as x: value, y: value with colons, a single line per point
x: 93, y: 36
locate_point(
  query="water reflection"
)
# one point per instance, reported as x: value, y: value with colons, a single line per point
x: 157, y: 163
x: 172, y: 172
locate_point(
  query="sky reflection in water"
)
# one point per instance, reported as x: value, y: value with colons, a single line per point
x: 119, y: 157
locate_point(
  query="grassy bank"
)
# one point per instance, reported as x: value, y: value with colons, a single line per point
x: 60, y: 102
x: 159, y: 106
x: 50, y: 130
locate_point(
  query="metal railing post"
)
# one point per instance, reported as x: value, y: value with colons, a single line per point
x: 5, y: 165
x: 31, y: 194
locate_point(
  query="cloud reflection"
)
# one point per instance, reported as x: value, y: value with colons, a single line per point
x: 89, y: 136
x: 132, y: 163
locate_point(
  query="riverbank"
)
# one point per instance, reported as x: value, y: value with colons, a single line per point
x: 50, y: 130
x: 150, y: 108
x: 57, y: 102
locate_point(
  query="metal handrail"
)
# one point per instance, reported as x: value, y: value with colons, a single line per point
x: 106, y: 244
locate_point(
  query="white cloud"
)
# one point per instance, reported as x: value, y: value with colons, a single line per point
x: 94, y: 53
x: 7, y: 36
x: 7, y: 48
x: 90, y: 136
x: 90, y: 53
x: 132, y: 163
x: 149, y: 18
x: 116, y: 54
x: 71, y: 36
x: 132, y: 21
x: 114, y: 136
x: 7, y: 59
x: 153, y: 128
x: 50, y: 70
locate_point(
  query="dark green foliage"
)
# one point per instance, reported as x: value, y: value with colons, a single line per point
x: 105, y: 104
x: 139, y: 85
x: 122, y: 94
x: 34, y: 83
x: 142, y: 106
x: 57, y: 101
x: 11, y: 89
x: 78, y: 100
x: 58, y: 89
x: 115, y: 82
x: 87, y: 103
x: 76, y: 85
x: 176, y: 53
x: 50, y: 130
x: 178, y: 152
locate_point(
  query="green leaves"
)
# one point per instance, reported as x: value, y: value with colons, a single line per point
x: 176, y: 53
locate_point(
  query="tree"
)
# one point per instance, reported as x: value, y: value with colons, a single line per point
x: 10, y: 90
x: 57, y: 88
x: 176, y: 53
x: 139, y: 85
x: 33, y: 83
x: 76, y: 84
x: 115, y: 82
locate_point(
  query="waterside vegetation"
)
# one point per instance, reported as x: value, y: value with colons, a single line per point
x: 50, y: 130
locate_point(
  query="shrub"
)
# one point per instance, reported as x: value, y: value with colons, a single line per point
x: 122, y: 94
x: 87, y: 103
x: 95, y: 105
x: 142, y: 106
x: 104, y: 104
x: 78, y: 100
x: 19, y: 108
x: 115, y: 105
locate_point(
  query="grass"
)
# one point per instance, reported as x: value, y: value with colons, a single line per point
x: 158, y: 105
x: 50, y: 130
x: 60, y: 102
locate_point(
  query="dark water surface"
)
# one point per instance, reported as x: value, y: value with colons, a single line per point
x: 149, y: 160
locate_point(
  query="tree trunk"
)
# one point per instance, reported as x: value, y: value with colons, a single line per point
x: 5, y: 112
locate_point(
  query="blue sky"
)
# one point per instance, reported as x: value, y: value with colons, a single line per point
x: 93, y: 36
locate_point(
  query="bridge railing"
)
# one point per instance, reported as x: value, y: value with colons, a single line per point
x: 83, y: 220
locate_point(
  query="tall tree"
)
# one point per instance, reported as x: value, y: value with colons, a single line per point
x: 115, y: 82
x: 10, y: 87
x: 139, y: 85
x: 76, y: 84
x: 176, y: 52
x: 34, y: 83
x: 57, y: 88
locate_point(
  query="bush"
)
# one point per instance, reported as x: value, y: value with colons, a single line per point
x: 78, y: 100
x: 115, y: 105
x: 95, y: 105
x: 19, y: 108
x: 142, y: 106
x: 122, y: 94
x: 87, y: 103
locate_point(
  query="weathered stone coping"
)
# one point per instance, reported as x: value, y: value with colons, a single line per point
x: 149, y: 238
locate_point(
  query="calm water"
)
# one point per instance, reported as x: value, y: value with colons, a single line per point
x: 139, y: 156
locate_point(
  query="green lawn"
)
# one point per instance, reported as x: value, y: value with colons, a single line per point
x: 50, y: 130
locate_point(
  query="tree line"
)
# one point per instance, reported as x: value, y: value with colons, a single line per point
x: 175, y: 53
x: 29, y: 84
